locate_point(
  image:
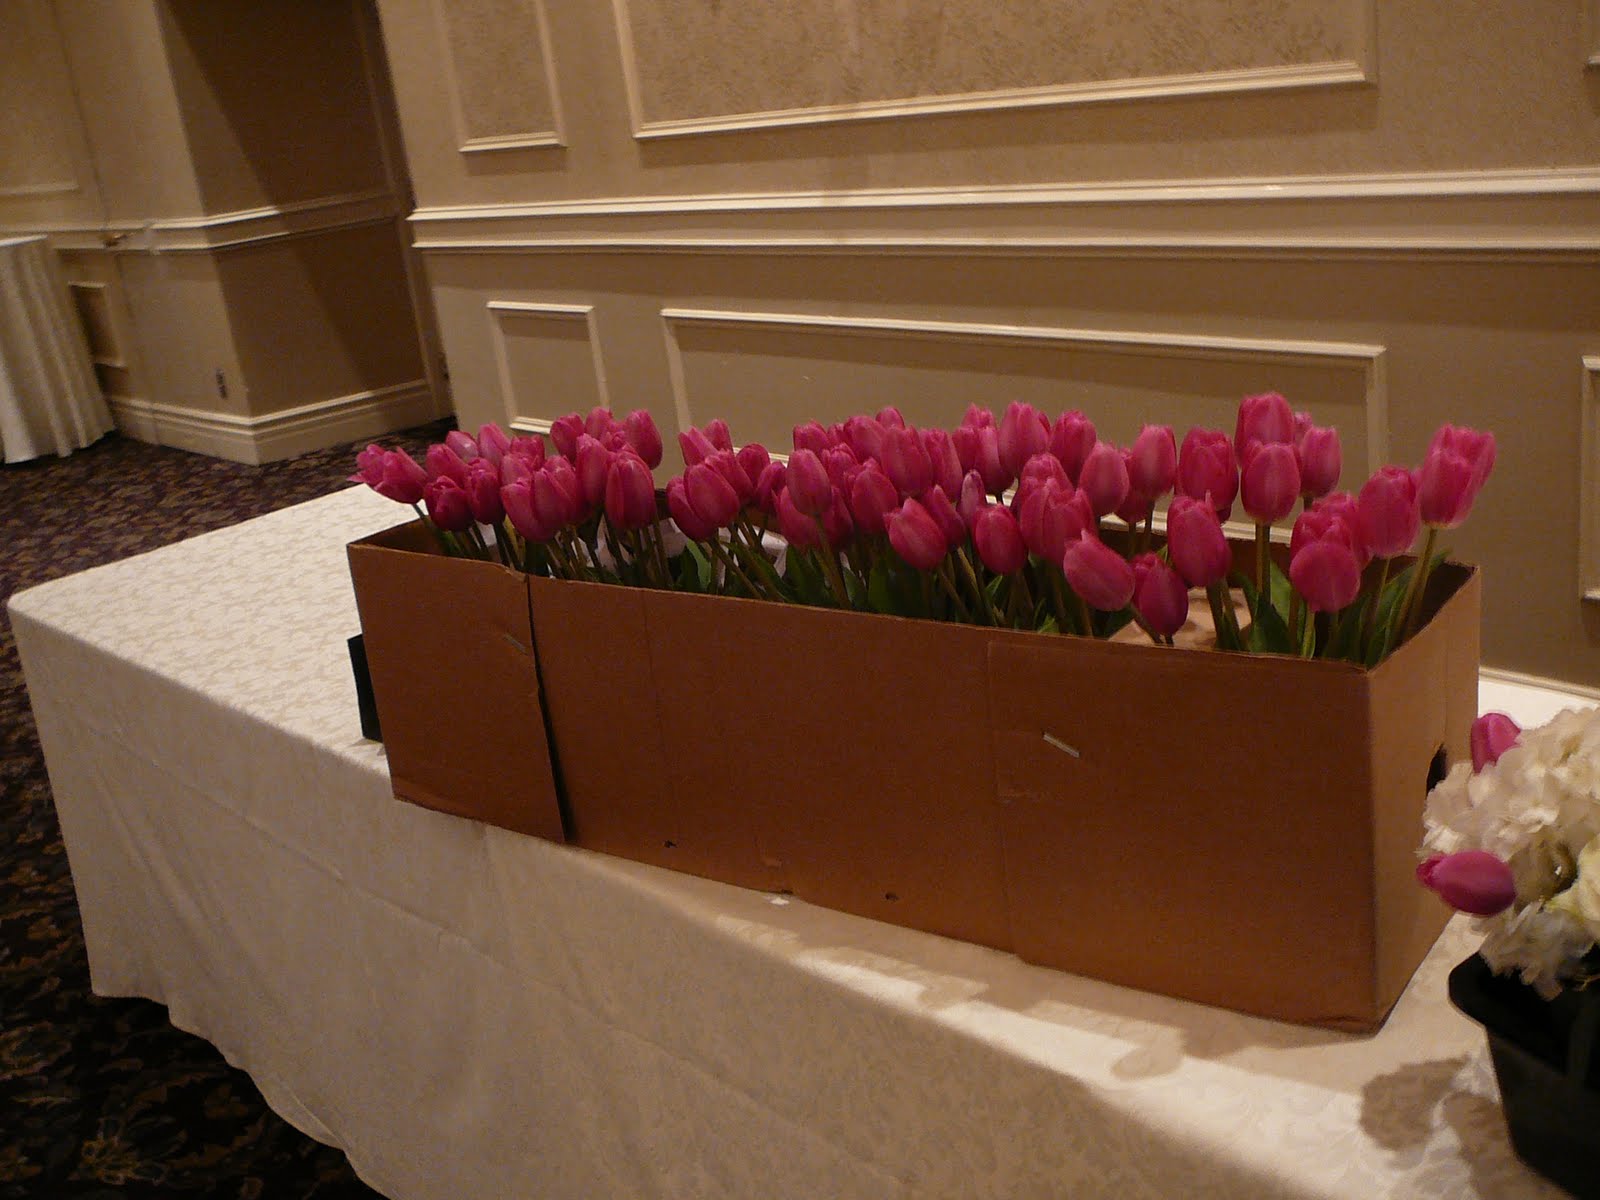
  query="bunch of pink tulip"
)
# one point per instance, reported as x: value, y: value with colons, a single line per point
x: 1020, y: 521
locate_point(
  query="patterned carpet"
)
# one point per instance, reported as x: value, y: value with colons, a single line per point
x: 103, y: 1098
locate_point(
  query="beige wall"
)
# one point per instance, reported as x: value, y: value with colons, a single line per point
x: 1391, y: 213
x: 230, y: 216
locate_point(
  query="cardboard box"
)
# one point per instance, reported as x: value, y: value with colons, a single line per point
x: 1233, y: 829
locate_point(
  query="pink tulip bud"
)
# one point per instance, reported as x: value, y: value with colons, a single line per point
x: 753, y: 458
x: 1492, y: 735
x: 528, y: 447
x: 711, y: 496
x: 1160, y: 595
x: 594, y: 460
x: 564, y: 433
x: 943, y: 510
x: 1103, y: 478
x: 557, y: 499
x: 694, y: 445
x: 1266, y: 418
x: 1044, y: 468
x: 872, y: 498
x: 517, y: 498
x: 841, y: 464
x: 716, y: 431
x: 1098, y: 573
x: 1196, y: 543
x: 1319, y: 523
x: 946, y: 463
x: 999, y: 540
x: 905, y: 461
x: 916, y: 536
x: 1053, y: 518
x: 811, y: 436
x: 726, y: 464
x: 773, y: 479
x: 1327, y: 574
x: 1457, y: 463
x: 837, y: 525
x: 598, y: 423
x: 889, y: 417
x: 483, y: 491
x: 1321, y: 460
x: 1134, y: 507
x: 965, y: 439
x: 514, y: 467
x: 1071, y: 440
x: 865, y: 437
x: 1152, y: 462
x: 369, y: 465
x: 694, y: 527
x: 639, y: 428
x: 465, y: 448
x: 1270, y: 483
x: 443, y: 462
x: 798, y: 529
x: 1471, y: 881
x: 996, y: 476
x: 809, y: 485
x: 977, y: 417
x: 1206, y: 466
x: 403, y: 479
x: 1387, y: 513
x: 1023, y: 432
x: 447, y: 504
x: 493, y: 442
x: 630, y: 492
x: 973, y: 497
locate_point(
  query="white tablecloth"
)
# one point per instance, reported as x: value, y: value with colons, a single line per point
x: 50, y: 402
x: 472, y: 1013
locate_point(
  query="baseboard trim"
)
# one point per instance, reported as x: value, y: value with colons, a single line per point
x: 272, y: 436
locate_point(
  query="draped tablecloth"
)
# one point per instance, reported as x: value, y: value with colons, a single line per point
x: 50, y: 402
x: 469, y: 1012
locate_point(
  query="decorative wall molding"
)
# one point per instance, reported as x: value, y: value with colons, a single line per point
x: 1346, y: 72
x: 1589, y: 484
x: 1555, y: 212
x: 272, y: 436
x: 1367, y: 360
x: 499, y: 312
x: 467, y: 143
x: 94, y: 310
x: 1591, y: 31
x: 59, y: 187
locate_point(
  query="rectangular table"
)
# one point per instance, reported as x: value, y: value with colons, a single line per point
x: 470, y: 1012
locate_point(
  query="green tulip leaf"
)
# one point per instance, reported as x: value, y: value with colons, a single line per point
x: 1107, y: 623
x: 880, y: 596
x: 1049, y: 625
x: 1268, y: 632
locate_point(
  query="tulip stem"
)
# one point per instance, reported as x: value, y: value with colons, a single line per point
x: 1263, y: 589
x: 944, y: 570
x: 1371, y: 607
x: 1222, y: 616
x: 977, y: 586
x: 1297, y: 620
x: 830, y: 563
x: 1412, y: 608
x: 1059, y: 594
x: 730, y: 565
x: 1145, y: 625
x: 755, y: 556
x: 1084, y: 615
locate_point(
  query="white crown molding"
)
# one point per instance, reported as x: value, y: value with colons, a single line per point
x: 271, y: 436
x: 1555, y: 212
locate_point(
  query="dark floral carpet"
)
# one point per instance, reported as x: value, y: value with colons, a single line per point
x: 103, y: 1098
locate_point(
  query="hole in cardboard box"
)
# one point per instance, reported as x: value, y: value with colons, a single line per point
x: 670, y: 845
x: 1438, y: 767
x: 891, y: 896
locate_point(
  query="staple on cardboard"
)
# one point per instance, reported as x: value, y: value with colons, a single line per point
x: 1060, y: 745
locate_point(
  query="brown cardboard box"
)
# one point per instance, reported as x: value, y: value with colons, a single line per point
x: 1233, y: 829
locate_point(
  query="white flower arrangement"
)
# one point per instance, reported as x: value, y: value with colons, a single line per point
x: 1514, y: 837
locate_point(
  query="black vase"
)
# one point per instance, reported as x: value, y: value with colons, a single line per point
x: 1548, y: 1070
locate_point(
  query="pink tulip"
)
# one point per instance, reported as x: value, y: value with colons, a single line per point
x: 1270, y: 482
x: 996, y: 477
x: 1152, y: 462
x: 517, y: 499
x: 1457, y: 463
x: 369, y: 465
x: 943, y: 510
x: 1387, y: 513
x: 889, y: 417
x: 630, y: 497
x: 905, y: 461
x: 916, y: 536
x: 1328, y: 523
x: 977, y: 417
x: 443, y: 462
x: 593, y: 462
x: 1206, y: 466
x: 811, y: 436
x: 946, y: 463
x: 872, y: 498
x: 556, y: 496
x: 841, y: 464
x: 1054, y: 519
x: 694, y: 527
x: 753, y: 459
x: 1098, y: 573
x: 1471, y: 881
x: 493, y: 444
x: 599, y: 423
x: 1071, y: 440
x: 1160, y: 595
x: 865, y: 437
x: 837, y: 525
x: 798, y: 529
x: 483, y: 491
x: 1266, y: 419
x: 1492, y: 735
x: 465, y: 448
x: 1321, y: 460
x: 1024, y: 432
x: 564, y: 433
x: 965, y: 439
x: 639, y: 428
x: 1134, y: 507
x: 1327, y: 574
x: 447, y: 504
x: 402, y: 479
x: 716, y: 431
x: 809, y: 485
x: 1103, y: 479
x: 710, y: 495
x: 726, y: 464
x: 1043, y: 468
x: 773, y: 479
x: 974, y: 498
x: 1196, y: 543
x: 999, y: 540
x: 528, y: 447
